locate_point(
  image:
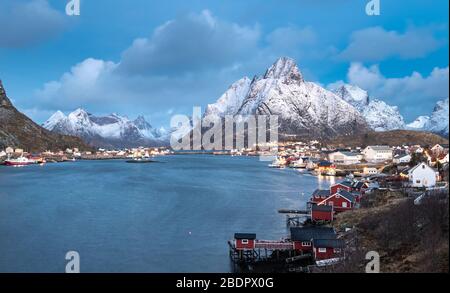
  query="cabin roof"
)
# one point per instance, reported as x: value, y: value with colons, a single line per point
x: 321, y: 208
x: 322, y: 192
x: 348, y: 195
x: 329, y: 243
x: 309, y: 233
x: 249, y: 236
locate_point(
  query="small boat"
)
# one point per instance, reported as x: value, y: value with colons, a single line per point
x: 21, y: 161
x: 279, y: 163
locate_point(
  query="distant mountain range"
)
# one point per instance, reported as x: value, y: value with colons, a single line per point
x: 18, y: 131
x: 107, y: 131
x: 307, y: 109
x: 304, y: 108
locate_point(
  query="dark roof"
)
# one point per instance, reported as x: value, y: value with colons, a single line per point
x: 329, y: 243
x: 346, y: 183
x: 309, y: 233
x: 322, y: 192
x: 249, y: 236
x: 350, y: 196
x: 358, y: 185
x: 322, y: 208
x: 324, y: 164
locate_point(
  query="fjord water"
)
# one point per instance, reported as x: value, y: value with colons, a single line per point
x: 174, y: 216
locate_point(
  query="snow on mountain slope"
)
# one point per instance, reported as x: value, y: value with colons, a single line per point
x: 303, y: 108
x: 353, y: 95
x: 420, y: 123
x: 439, y: 119
x: 438, y: 122
x: 230, y: 102
x: 108, y: 130
x: 379, y: 115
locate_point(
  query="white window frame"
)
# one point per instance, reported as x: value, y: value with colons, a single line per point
x: 305, y: 243
x: 322, y: 250
x: 244, y: 241
x: 344, y: 204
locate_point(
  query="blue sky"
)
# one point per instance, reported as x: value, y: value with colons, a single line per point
x: 161, y: 57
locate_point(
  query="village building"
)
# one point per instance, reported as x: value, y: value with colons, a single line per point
x: 304, y: 236
x: 341, y: 201
x: 2, y: 154
x: 439, y: 149
x: 344, y: 157
x: 321, y: 213
x: 18, y: 151
x: 345, y: 185
x: 422, y: 175
x: 328, y: 248
x: 9, y: 150
x: 444, y: 160
x: 244, y: 241
x: 402, y: 159
x: 377, y: 153
x: 319, y: 195
x: 370, y: 171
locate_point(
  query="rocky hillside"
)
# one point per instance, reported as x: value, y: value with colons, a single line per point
x: 17, y: 130
x: 392, y: 138
x: 304, y: 108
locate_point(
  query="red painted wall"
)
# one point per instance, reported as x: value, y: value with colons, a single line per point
x: 299, y: 247
x: 242, y: 246
x: 321, y: 216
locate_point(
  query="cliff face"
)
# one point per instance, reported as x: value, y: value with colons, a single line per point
x: 17, y: 130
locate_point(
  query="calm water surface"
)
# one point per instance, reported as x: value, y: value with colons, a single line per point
x: 171, y: 217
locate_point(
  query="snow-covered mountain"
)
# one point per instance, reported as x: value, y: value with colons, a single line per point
x: 304, y: 108
x: 107, y: 131
x: 379, y: 115
x: 438, y: 121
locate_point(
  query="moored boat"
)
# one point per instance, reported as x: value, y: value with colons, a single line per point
x: 21, y: 161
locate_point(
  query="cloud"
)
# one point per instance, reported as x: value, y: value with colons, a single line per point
x: 412, y: 93
x: 26, y: 23
x: 376, y: 44
x: 189, y: 43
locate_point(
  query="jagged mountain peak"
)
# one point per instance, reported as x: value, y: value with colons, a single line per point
x: 284, y: 68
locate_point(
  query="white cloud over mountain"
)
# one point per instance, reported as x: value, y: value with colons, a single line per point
x: 27, y: 23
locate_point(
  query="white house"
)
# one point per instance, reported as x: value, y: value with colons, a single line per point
x: 402, y: 159
x: 444, y: 160
x: 346, y: 158
x: 2, y: 154
x: 9, y: 150
x: 370, y: 171
x: 377, y: 153
x: 422, y: 175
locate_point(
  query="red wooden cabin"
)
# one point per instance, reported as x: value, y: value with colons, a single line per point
x: 319, y: 195
x: 244, y: 241
x: 321, y: 213
x: 346, y: 185
x: 327, y: 248
x: 303, y: 237
x: 341, y: 201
